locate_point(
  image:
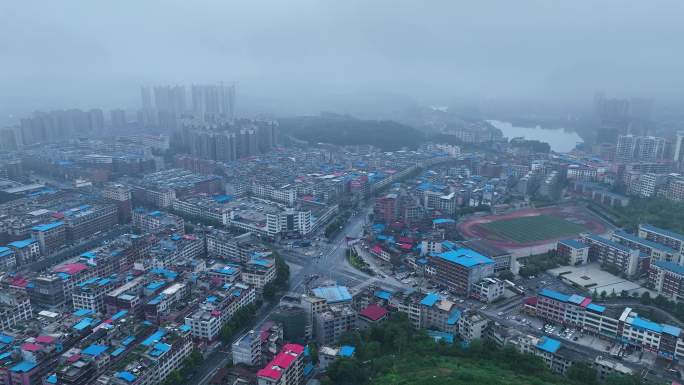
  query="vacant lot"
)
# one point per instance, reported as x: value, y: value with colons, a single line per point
x: 532, y: 228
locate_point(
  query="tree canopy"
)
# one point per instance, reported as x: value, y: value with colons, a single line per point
x: 346, y: 130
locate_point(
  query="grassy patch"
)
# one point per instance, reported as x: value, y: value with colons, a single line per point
x: 532, y: 229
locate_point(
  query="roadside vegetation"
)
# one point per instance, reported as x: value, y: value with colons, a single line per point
x: 358, y: 263
x: 280, y: 283
x: 337, y: 224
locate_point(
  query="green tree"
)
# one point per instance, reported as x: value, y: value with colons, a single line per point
x: 582, y: 373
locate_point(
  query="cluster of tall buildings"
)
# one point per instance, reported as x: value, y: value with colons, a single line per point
x: 54, y: 126
x: 632, y: 148
x: 227, y: 141
x: 162, y: 106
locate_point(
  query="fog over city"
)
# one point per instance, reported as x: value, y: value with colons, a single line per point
x: 341, y: 192
x: 307, y: 56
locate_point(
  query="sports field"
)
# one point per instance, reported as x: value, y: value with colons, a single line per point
x: 532, y: 228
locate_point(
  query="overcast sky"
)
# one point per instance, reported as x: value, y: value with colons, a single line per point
x: 291, y: 53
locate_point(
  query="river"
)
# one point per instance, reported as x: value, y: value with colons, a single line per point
x: 559, y: 139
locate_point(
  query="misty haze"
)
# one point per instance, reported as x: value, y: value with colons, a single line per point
x: 341, y: 192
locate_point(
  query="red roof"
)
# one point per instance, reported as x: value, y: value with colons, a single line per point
x: 532, y: 301
x: 71, y: 268
x: 269, y: 373
x: 377, y: 249
x: 405, y: 246
x: 586, y: 302
x: 31, y: 347
x: 74, y: 358
x: 45, y: 339
x: 373, y: 312
x: 283, y: 360
x: 406, y: 239
x: 19, y: 282
x: 294, y: 348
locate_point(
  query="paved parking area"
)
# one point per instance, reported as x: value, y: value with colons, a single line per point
x: 593, y: 278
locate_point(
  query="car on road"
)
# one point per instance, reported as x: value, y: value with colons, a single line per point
x: 500, y: 313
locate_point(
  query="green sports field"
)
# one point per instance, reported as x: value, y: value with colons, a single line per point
x: 532, y: 229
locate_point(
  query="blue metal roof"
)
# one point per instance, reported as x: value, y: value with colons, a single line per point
x: 643, y: 323
x: 333, y: 294
x: 118, y: 351
x: 596, y: 308
x: 454, y: 317
x: 347, y: 351
x: 126, y: 376
x: 23, y: 367
x: 441, y: 336
x: 576, y: 299
x: 549, y: 345
x: 670, y: 266
x: 671, y: 330
x: 573, y: 243
x: 667, y: 233
x: 84, y: 323
x: 22, y: 244
x: 465, y: 257
x: 608, y: 242
x: 645, y: 242
x: 5, y: 339
x: 47, y: 226
x: 449, y: 245
x: 383, y: 294
x: 155, y: 285
x: 430, y: 299
x: 159, y: 349
x: 441, y: 221
x: 153, y: 338
x: 119, y: 314
x: 82, y: 312
x: 554, y: 295
x: 95, y: 350
x: 128, y: 340
x: 227, y: 270
x: 5, y: 252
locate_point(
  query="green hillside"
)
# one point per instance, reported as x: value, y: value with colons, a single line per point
x: 344, y: 130
x: 396, y: 354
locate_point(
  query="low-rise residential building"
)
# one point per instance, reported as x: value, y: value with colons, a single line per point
x: 625, y: 326
x: 606, y: 367
x: 667, y: 278
x: 576, y: 252
x: 25, y: 251
x: 332, y: 323
x: 488, y: 290
x: 457, y: 270
x: 15, y: 308
x: 656, y: 251
x: 287, y: 368
x: 217, y: 309
x: 247, y: 349
x: 50, y: 236
x: 151, y: 221
x: 8, y: 259
x: 259, y: 271
x: 612, y: 254
x: 90, y: 294
x: 662, y: 236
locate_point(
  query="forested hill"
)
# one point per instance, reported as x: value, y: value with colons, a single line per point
x: 345, y: 130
